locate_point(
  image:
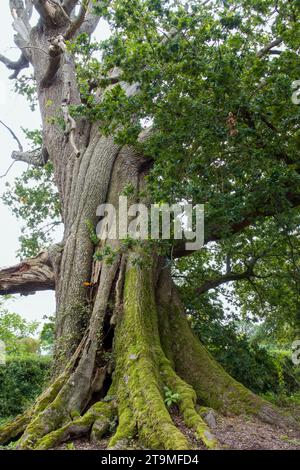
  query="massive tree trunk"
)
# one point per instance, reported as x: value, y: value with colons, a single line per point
x: 121, y: 332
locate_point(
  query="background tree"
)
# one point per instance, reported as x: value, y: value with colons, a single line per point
x: 189, y: 102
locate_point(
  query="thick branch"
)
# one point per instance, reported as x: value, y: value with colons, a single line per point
x: 46, y: 10
x: 29, y: 276
x: 90, y: 22
x: 78, y: 21
x: 56, y: 49
x: 69, y: 5
x: 230, y: 276
x: 37, y: 157
x: 58, y: 46
x: 16, y: 66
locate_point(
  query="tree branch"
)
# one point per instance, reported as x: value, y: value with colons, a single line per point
x: 13, y: 135
x: 90, y: 22
x: 17, y: 66
x: 37, y: 157
x: 69, y: 5
x: 78, y: 21
x: 231, y: 276
x: 268, y: 48
x: 58, y: 46
x: 29, y: 276
x: 46, y: 10
x: 56, y: 50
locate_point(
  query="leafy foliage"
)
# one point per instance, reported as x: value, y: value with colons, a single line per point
x: 21, y: 380
x: 171, y: 398
x: 17, y: 334
x: 34, y: 199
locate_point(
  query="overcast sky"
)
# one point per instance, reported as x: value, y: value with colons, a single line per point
x: 15, y: 112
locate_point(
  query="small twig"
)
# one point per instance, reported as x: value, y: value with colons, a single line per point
x: 32, y: 47
x: 8, y: 169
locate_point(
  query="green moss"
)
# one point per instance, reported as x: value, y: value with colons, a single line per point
x: 14, y: 428
x: 100, y: 413
x: 138, y: 355
x: 214, y: 387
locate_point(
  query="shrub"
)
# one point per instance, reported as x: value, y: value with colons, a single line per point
x: 21, y: 380
x: 258, y: 368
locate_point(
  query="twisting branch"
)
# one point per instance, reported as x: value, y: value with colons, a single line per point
x: 70, y: 123
x: 268, y: 48
x: 29, y: 276
x: 231, y: 276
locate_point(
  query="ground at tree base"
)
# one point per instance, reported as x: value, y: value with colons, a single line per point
x: 233, y: 433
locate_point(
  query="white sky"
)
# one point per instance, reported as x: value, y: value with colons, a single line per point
x: 15, y: 112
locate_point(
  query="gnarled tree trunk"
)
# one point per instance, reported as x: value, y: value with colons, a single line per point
x: 121, y: 332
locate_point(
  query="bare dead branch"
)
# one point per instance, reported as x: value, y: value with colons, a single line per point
x: 8, y: 170
x: 29, y: 276
x: 13, y: 135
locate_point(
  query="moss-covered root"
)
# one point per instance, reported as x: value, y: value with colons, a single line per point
x: 15, y: 428
x: 137, y: 375
x: 187, y: 406
x: 96, y: 420
x: 126, y: 430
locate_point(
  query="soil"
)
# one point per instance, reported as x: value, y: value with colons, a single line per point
x: 233, y: 433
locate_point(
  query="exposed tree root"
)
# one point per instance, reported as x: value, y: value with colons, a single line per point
x: 153, y: 348
x: 74, y: 387
x: 96, y: 421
